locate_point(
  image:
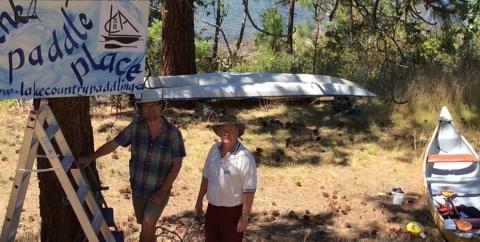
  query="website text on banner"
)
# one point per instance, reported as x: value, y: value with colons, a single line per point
x: 88, y: 48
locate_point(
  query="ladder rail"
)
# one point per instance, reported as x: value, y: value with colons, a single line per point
x: 19, y: 187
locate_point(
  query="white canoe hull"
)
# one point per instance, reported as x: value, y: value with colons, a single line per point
x: 252, y: 85
x: 461, y: 177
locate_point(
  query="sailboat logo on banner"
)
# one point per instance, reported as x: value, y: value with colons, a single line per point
x: 119, y: 30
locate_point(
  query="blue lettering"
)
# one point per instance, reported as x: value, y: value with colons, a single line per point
x: 90, y: 58
x: 117, y: 69
x: 13, y: 23
x: 58, y: 52
x: 38, y: 60
x: 86, y: 24
x: 21, y: 60
x: 109, y: 66
x: 135, y: 69
x: 77, y: 72
x: 69, y: 41
x: 69, y: 21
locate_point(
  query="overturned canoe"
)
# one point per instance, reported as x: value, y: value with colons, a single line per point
x: 451, y: 164
x: 252, y: 85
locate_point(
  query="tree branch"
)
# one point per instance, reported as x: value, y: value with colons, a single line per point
x: 223, y: 35
x: 374, y: 11
x: 362, y: 7
x: 254, y: 25
x: 365, y: 14
x: 441, y: 8
x: 242, y: 30
x: 399, y: 49
x: 332, y: 14
x: 416, y: 14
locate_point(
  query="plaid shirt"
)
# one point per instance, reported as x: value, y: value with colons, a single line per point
x: 151, y: 159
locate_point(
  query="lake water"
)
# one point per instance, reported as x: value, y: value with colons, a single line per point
x: 233, y: 21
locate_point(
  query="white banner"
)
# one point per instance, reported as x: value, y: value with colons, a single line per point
x: 82, y: 49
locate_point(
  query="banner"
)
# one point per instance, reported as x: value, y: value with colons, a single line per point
x: 83, y: 48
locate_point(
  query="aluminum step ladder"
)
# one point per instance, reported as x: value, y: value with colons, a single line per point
x: 41, y: 129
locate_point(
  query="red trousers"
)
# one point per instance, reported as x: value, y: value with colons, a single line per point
x: 221, y: 224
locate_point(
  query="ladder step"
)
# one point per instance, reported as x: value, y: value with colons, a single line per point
x: 52, y: 130
x: 97, y: 221
x: 67, y: 162
x: 82, y: 192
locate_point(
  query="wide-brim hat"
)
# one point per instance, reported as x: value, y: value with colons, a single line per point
x: 225, y: 120
x: 149, y: 95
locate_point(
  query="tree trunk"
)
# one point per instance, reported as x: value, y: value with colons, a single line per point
x: 218, y: 22
x: 318, y: 19
x: 59, y: 222
x: 242, y: 28
x: 178, y: 45
x: 291, y: 15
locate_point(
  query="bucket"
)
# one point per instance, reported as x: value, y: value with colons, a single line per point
x: 397, y: 198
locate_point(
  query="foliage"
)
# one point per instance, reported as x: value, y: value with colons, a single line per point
x: 7, y: 104
x: 272, y: 22
x: 203, y: 48
x: 154, y: 49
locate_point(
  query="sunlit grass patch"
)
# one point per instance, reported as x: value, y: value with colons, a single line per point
x: 7, y: 104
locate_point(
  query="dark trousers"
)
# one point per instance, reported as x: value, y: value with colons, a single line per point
x: 221, y: 224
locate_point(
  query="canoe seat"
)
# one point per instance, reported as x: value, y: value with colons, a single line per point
x: 452, y: 158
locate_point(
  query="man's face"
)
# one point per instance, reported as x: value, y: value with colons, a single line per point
x: 151, y: 110
x: 228, y: 133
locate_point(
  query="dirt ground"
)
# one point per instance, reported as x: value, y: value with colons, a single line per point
x: 318, y: 174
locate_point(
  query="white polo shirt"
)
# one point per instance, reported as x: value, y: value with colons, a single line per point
x: 229, y: 177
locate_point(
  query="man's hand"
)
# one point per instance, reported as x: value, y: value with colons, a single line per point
x: 242, y: 225
x: 85, y: 161
x: 199, y: 206
x: 160, y: 195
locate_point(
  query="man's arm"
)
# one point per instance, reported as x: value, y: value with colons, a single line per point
x: 201, y: 195
x: 103, y: 150
x: 167, y: 185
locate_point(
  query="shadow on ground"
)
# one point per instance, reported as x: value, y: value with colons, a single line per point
x: 291, y: 226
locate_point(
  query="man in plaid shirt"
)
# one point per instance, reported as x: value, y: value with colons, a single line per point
x: 157, y: 151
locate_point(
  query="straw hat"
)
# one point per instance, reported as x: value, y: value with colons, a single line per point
x: 227, y: 119
x: 149, y: 95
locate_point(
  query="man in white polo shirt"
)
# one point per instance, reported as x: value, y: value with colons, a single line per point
x: 229, y: 180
